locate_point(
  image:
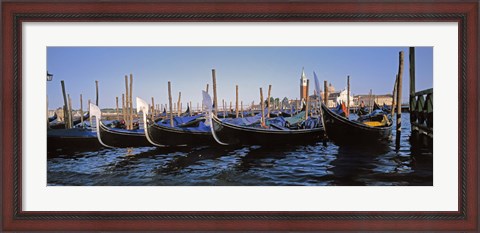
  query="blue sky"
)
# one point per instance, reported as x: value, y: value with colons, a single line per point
x: 189, y: 70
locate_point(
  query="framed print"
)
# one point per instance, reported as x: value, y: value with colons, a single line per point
x: 182, y: 116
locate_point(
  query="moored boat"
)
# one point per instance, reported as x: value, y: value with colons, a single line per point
x: 74, y: 138
x: 343, y: 131
x: 114, y: 137
x: 187, y: 131
x: 242, y: 131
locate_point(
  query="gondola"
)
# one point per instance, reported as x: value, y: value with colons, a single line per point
x: 226, y: 133
x: 61, y: 125
x: 112, y: 137
x: 343, y: 131
x: 74, y: 138
x: 231, y: 134
x: 193, y: 132
x: 346, y: 132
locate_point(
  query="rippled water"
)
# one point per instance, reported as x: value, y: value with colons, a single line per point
x: 316, y: 164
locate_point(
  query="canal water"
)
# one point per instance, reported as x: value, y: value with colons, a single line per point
x: 306, y: 165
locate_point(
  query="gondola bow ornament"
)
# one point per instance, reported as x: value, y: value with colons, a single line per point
x: 97, y: 113
x: 207, y: 102
x: 142, y: 106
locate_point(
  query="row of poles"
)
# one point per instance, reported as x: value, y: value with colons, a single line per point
x: 67, y: 107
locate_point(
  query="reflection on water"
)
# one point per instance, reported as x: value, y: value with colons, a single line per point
x: 315, y: 165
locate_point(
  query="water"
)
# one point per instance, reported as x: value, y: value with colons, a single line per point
x: 312, y: 165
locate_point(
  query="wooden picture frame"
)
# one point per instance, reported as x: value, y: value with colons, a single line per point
x: 465, y: 13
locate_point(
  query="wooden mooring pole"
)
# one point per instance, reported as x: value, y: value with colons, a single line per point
x: 348, y: 95
x: 214, y: 83
x: 179, y: 109
x: 399, y: 101
x: 241, y: 108
x: 131, y: 101
x: 116, y: 101
x: 70, y: 111
x: 268, y: 100
x: 66, y: 118
x: 127, y: 99
x: 81, y: 109
x: 306, y: 100
x: 261, y: 106
x: 236, y: 101
x: 325, y: 92
x: 170, y: 103
x: 153, y: 109
x: 123, y: 107
x: 96, y: 92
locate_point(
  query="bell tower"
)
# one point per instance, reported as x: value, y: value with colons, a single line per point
x: 303, y: 86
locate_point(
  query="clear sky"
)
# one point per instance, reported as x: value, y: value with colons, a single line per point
x: 189, y: 70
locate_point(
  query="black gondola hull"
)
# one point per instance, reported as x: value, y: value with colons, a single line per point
x: 168, y: 136
x: 240, y: 135
x: 122, y: 138
x: 346, y: 132
x: 71, y: 139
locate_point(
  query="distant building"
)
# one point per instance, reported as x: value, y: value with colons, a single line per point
x: 335, y: 98
x: 303, y: 85
x: 369, y: 100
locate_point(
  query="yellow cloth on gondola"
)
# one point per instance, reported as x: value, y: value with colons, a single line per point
x: 384, y: 122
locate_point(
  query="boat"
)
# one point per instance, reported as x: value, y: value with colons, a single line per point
x: 74, y: 138
x: 61, y: 125
x: 241, y: 131
x: 114, y: 137
x: 367, y: 130
x: 187, y: 130
x: 343, y: 131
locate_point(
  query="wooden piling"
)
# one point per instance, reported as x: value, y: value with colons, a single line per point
x: 306, y: 100
x: 153, y: 109
x: 66, y: 117
x: 348, y: 95
x: 262, y: 106
x: 170, y: 103
x: 325, y: 93
x: 190, y: 109
x: 81, y: 109
x: 116, y: 101
x: 123, y: 107
x: 214, y: 81
x: 96, y: 92
x: 412, y: 101
x: 236, y: 101
x: 268, y: 101
x: 131, y: 101
x: 179, y: 109
x: 126, y: 118
x: 399, y: 100
x: 70, y: 111
x: 370, y: 105
x: 241, y: 108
